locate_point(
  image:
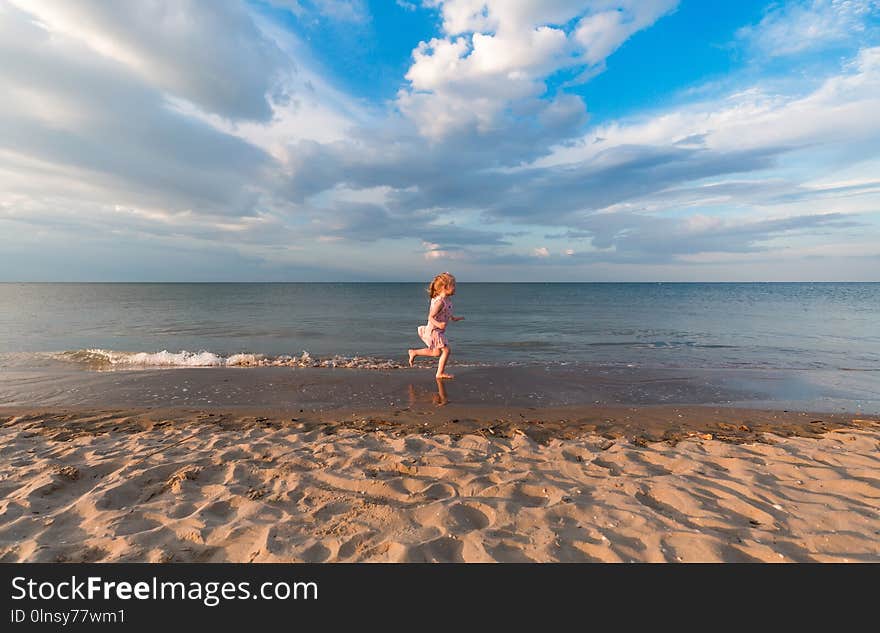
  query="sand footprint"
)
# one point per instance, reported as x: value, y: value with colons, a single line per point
x: 354, y: 546
x: 439, y: 491
x: 535, y: 496
x: 444, y: 549
x: 506, y: 553
x: 217, y: 512
x: 316, y: 553
x: 406, y: 485
x: 332, y: 510
x: 469, y: 516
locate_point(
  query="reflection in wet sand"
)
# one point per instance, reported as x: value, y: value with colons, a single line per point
x: 418, y: 394
x: 441, y: 398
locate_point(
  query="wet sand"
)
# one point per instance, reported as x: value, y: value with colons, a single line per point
x: 539, y: 386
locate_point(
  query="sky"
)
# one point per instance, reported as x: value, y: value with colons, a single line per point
x: 389, y: 140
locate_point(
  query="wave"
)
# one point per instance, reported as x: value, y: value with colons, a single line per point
x: 661, y: 344
x: 112, y: 359
x: 520, y: 345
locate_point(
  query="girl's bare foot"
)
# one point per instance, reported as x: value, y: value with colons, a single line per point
x: 444, y: 376
x: 412, y: 355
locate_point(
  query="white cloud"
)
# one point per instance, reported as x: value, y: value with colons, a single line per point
x: 842, y: 110
x: 800, y: 25
x: 602, y: 33
x: 435, y: 252
x: 496, y: 56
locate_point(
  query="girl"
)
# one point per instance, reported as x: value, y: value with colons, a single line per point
x: 439, y: 314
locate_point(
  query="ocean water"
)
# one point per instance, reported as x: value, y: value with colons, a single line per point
x: 792, y: 326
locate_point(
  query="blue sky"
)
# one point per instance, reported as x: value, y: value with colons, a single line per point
x: 561, y: 140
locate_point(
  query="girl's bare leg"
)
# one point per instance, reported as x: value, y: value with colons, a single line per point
x: 422, y: 352
x: 441, y: 366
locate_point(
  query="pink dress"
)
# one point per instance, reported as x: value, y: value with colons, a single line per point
x: 432, y: 337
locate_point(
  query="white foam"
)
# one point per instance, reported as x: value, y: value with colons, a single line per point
x: 244, y: 360
x: 147, y: 359
x: 109, y: 359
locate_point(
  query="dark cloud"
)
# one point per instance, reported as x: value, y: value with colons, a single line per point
x: 451, y: 176
x: 625, y: 237
x: 129, y: 257
x: 444, y: 173
x: 551, y: 195
x: 371, y: 222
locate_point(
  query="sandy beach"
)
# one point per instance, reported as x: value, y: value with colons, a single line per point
x: 653, y: 483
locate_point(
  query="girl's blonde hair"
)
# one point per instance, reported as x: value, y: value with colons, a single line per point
x: 443, y: 281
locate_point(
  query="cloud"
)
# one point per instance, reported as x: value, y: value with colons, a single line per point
x: 79, y: 116
x: 208, y: 53
x: 89, y: 143
x: 496, y: 56
x: 652, y: 238
x: 803, y: 25
x: 840, y: 110
x: 634, y: 238
x: 103, y: 138
x: 623, y: 173
x: 341, y: 10
x: 366, y: 222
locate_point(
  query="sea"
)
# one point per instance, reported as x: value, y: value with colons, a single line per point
x: 128, y: 326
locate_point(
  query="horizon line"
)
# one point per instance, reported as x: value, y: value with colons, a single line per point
x: 331, y: 281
